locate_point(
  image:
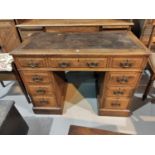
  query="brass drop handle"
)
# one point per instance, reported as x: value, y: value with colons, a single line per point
x: 122, y: 80
x: 64, y: 64
x: 118, y: 92
x: 40, y: 91
x: 126, y: 64
x: 92, y: 64
x: 115, y: 104
x: 33, y: 65
x: 43, y: 102
x: 37, y: 79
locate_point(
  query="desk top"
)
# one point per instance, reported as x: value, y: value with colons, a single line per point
x: 106, y: 41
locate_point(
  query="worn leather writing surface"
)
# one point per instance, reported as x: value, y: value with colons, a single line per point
x: 97, y: 40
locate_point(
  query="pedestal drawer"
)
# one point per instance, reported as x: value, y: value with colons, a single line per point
x: 44, y: 101
x: 36, y: 77
x: 126, y: 63
x: 119, y: 91
x: 115, y: 103
x: 41, y: 90
x: 123, y: 78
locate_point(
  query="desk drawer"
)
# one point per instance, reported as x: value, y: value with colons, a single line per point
x: 41, y: 90
x: 63, y: 62
x: 32, y: 63
x: 119, y: 91
x: 93, y: 62
x: 36, y: 77
x: 114, y: 103
x: 126, y: 63
x: 123, y: 78
x: 44, y: 101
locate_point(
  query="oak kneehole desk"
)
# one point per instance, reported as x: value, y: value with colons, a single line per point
x: 43, y: 59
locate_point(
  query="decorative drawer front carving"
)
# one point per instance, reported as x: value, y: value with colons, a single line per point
x: 116, y: 103
x: 63, y: 62
x: 93, y: 62
x: 119, y: 91
x: 44, y: 101
x: 126, y: 63
x: 36, y: 77
x: 41, y: 90
x: 123, y: 78
x: 32, y: 63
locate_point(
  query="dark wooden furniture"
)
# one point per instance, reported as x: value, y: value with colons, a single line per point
x: 79, y: 130
x: 27, y: 27
x: 43, y: 59
x: 11, y: 122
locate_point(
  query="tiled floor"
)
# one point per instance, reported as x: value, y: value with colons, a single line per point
x: 81, y: 109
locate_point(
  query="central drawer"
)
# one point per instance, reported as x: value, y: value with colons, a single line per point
x: 92, y: 62
x: 44, y: 101
x: 77, y: 62
x: 63, y: 62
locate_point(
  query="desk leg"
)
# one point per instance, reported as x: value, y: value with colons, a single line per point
x: 20, y: 82
x: 152, y: 78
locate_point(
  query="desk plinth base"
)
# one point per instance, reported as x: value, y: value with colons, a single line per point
x: 56, y: 111
x: 111, y: 112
